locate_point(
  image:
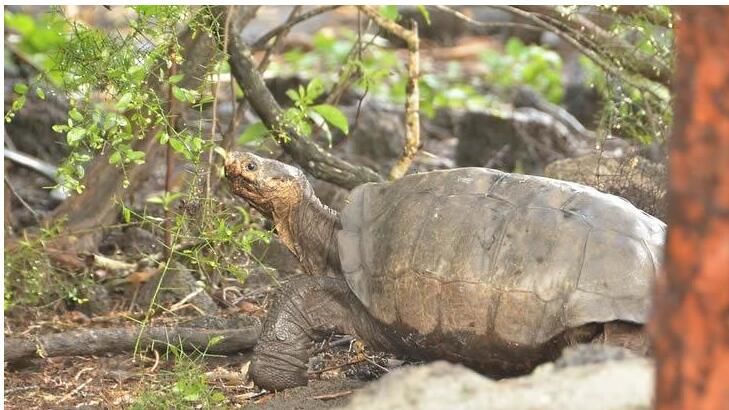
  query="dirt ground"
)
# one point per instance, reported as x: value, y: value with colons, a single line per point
x: 123, y: 380
x: 118, y: 381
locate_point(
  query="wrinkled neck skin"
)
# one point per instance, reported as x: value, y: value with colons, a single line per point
x: 309, y: 229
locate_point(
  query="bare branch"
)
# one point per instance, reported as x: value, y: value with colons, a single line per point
x: 261, y: 42
x: 483, y: 24
x: 279, y: 38
x: 412, y: 103
x: 601, y: 41
x: 307, y: 154
x: 588, y: 52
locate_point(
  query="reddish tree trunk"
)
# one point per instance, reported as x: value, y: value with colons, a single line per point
x: 691, y: 324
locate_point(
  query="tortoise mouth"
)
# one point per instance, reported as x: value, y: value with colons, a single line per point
x: 244, y: 187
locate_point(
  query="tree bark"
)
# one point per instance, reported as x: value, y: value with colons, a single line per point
x: 217, y: 336
x: 691, y: 322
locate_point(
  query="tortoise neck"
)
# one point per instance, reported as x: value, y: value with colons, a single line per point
x: 309, y: 228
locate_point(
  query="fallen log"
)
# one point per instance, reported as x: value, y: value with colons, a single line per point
x: 211, y: 335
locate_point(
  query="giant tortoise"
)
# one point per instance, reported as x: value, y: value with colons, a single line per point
x: 494, y: 270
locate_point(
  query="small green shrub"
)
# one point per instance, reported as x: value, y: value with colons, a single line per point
x: 531, y: 65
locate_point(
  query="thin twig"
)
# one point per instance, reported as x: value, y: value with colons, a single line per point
x: 21, y: 389
x: 156, y: 361
x: 171, y: 106
x: 345, y: 77
x: 239, y: 112
x: 331, y: 396
x: 263, y: 65
x: 76, y: 390
x: 374, y: 363
x: 340, y: 365
x: 22, y: 201
x: 179, y: 305
x: 211, y: 163
x: 261, y: 42
x: 483, y: 24
x: 598, y: 39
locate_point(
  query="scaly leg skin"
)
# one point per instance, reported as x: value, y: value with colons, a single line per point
x: 631, y: 336
x: 305, y: 309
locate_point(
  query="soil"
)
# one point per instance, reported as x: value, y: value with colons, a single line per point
x: 119, y: 380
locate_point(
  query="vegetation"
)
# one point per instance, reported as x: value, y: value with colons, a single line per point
x: 154, y: 97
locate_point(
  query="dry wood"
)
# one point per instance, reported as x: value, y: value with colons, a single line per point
x: 123, y: 339
x: 412, y: 103
x: 332, y: 396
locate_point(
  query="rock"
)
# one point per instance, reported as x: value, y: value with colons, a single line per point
x: 523, y: 140
x: 99, y: 301
x: 610, y: 385
x: 178, y: 283
x: 584, y: 354
x: 377, y: 136
x: 133, y: 241
x: 275, y: 255
x: 637, y: 179
x: 330, y: 195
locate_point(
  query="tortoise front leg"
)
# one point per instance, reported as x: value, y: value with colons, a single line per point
x: 306, y: 309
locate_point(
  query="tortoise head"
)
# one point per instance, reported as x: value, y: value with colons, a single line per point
x: 266, y: 184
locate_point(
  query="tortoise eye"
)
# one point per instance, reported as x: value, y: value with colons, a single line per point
x: 251, y: 166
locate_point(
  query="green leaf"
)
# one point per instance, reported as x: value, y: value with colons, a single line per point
x: 163, y: 137
x: 20, y: 22
x: 115, y: 158
x: 60, y: 128
x: 136, y: 72
x: 390, y: 12
x: 179, y: 94
x: 18, y: 103
x: 178, y: 146
x: 333, y: 116
x: 514, y: 46
x: 424, y: 12
x: 207, y: 99
x: 126, y: 214
x: 314, y: 89
x: 185, y: 95
x: 124, y: 102
x: 75, y: 115
x: 40, y: 93
x: 75, y: 135
x: 176, y: 78
x: 293, y: 95
x: 155, y: 200
x: 253, y: 132
x: 136, y: 156
x: 20, y: 88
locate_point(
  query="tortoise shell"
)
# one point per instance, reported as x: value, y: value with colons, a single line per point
x: 521, y: 258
